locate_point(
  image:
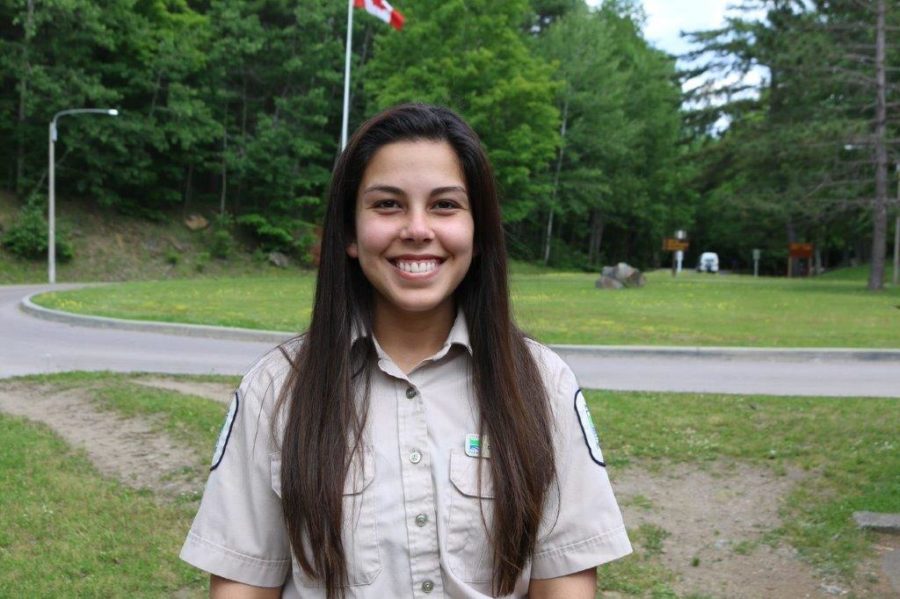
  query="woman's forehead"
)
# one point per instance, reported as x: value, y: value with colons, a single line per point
x: 414, y: 165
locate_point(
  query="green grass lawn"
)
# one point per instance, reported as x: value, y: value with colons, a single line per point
x: 693, y: 309
x: 66, y: 530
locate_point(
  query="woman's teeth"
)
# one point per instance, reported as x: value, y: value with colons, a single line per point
x: 417, y: 267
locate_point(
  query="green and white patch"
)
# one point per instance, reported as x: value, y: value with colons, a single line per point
x: 591, y: 438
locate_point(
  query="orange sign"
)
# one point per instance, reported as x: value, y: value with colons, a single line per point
x: 670, y: 244
x: 800, y: 250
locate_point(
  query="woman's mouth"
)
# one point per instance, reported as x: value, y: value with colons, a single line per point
x: 416, y: 266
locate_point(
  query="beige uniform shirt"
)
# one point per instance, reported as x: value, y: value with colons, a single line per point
x: 413, y: 525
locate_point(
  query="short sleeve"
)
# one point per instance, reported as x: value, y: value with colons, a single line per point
x: 582, y: 526
x: 238, y: 532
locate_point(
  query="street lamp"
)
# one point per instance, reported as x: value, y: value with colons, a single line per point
x: 51, y: 208
x: 897, y: 231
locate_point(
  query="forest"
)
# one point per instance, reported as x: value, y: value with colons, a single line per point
x: 603, y: 144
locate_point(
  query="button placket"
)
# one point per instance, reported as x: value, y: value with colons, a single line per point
x: 418, y: 491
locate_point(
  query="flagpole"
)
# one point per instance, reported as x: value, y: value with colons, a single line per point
x: 347, y: 75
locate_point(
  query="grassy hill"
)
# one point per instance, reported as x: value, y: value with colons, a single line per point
x: 109, y: 246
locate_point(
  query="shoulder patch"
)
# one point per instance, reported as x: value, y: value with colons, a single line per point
x: 591, y: 439
x: 225, y: 433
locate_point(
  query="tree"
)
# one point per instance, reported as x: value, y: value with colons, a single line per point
x: 472, y: 56
x: 796, y: 149
x: 617, y: 165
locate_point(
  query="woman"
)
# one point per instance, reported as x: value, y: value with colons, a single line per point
x: 413, y: 443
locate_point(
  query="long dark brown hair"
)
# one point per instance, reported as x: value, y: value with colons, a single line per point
x: 324, y: 423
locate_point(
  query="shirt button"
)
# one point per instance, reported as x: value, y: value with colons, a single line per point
x: 427, y: 586
x: 421, y: 520
x: 411, y: 392
x: 415, y: 457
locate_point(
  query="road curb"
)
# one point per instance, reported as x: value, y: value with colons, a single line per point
x: 149, y: 326
x: 798, y: 354
x: 619, y: 351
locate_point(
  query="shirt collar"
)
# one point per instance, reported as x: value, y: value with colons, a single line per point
x: 459, y: 335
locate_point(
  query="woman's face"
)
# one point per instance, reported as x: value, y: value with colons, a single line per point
x: 414, y: 228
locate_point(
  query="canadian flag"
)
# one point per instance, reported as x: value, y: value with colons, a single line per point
x: 383, y: 10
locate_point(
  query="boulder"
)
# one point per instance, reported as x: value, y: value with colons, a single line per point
x: 278, y: 259
x: 605, y: 282
x: 195, y: 222
x: 619, y: 276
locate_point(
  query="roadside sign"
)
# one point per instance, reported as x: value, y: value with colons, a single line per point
x: 671, y: 244
x: 800, y: 250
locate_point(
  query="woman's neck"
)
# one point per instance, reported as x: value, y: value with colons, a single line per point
x: 410, y: 337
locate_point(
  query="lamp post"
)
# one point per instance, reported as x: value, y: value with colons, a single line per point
x: 897, y: 231
x: 51, y: 178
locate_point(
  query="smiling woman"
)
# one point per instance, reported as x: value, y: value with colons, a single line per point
x: 411, y: 443
x: 414, y: 238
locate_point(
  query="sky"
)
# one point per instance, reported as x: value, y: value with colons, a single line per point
x: 666, y: 19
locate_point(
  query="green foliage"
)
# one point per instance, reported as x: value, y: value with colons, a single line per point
x: 27, y: 237
x: 270, y: 237
x: 473, y: 57
x: 795, y: 161
x: 221, y: 244
x: 172, y: 256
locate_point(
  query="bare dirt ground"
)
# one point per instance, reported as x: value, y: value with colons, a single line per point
x: 131, y: 450
x: 714, y: 515
x: 220, y: 392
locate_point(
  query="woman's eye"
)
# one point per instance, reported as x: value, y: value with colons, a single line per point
x: 386, y: 204
x: 446, y: 205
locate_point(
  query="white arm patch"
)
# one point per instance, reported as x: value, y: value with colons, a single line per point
x: 225, y: 433
x: 587, y: 428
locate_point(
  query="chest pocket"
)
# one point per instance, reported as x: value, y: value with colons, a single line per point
x: 359, y: 529
x: 469, y: 550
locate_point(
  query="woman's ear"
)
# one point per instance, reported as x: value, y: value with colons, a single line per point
x: 353, y: 250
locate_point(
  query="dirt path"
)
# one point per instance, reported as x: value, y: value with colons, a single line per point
x: 220, y: 392
x: 131, y: 450
x: 715, y: 518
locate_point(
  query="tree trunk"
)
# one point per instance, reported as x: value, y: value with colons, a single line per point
x: 23, y: 95
x: 879, y: 210
x: 596, y: 237
x: 224, y: 190
x: 188, y: 185
x: 559, y: 160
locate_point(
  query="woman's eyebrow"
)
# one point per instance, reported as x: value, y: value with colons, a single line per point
x: 448, y: 189
x: 385, y: 189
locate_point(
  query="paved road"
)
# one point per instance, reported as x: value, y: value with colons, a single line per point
x: 30, y: 345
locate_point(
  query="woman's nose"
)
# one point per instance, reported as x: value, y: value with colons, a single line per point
x: 417, y: 227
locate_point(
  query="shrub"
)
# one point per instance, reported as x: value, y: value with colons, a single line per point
x: 202, y: 261
x: 221, y: 244
x: 27, y: 237
x: 172, y: 257
x: 270, y: 237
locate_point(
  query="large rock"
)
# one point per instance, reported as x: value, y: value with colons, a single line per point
x: 195, y: 222
x: 619, y: 276
x: 279, y: 259
x: 605, y: 282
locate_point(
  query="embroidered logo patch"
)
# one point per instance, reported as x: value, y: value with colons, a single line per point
x: 225, y: 433
x: 475, y: 448
x: 587, y: 428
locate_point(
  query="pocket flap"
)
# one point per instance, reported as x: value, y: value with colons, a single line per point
x: 275, y: 468
x: 464, y: 475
